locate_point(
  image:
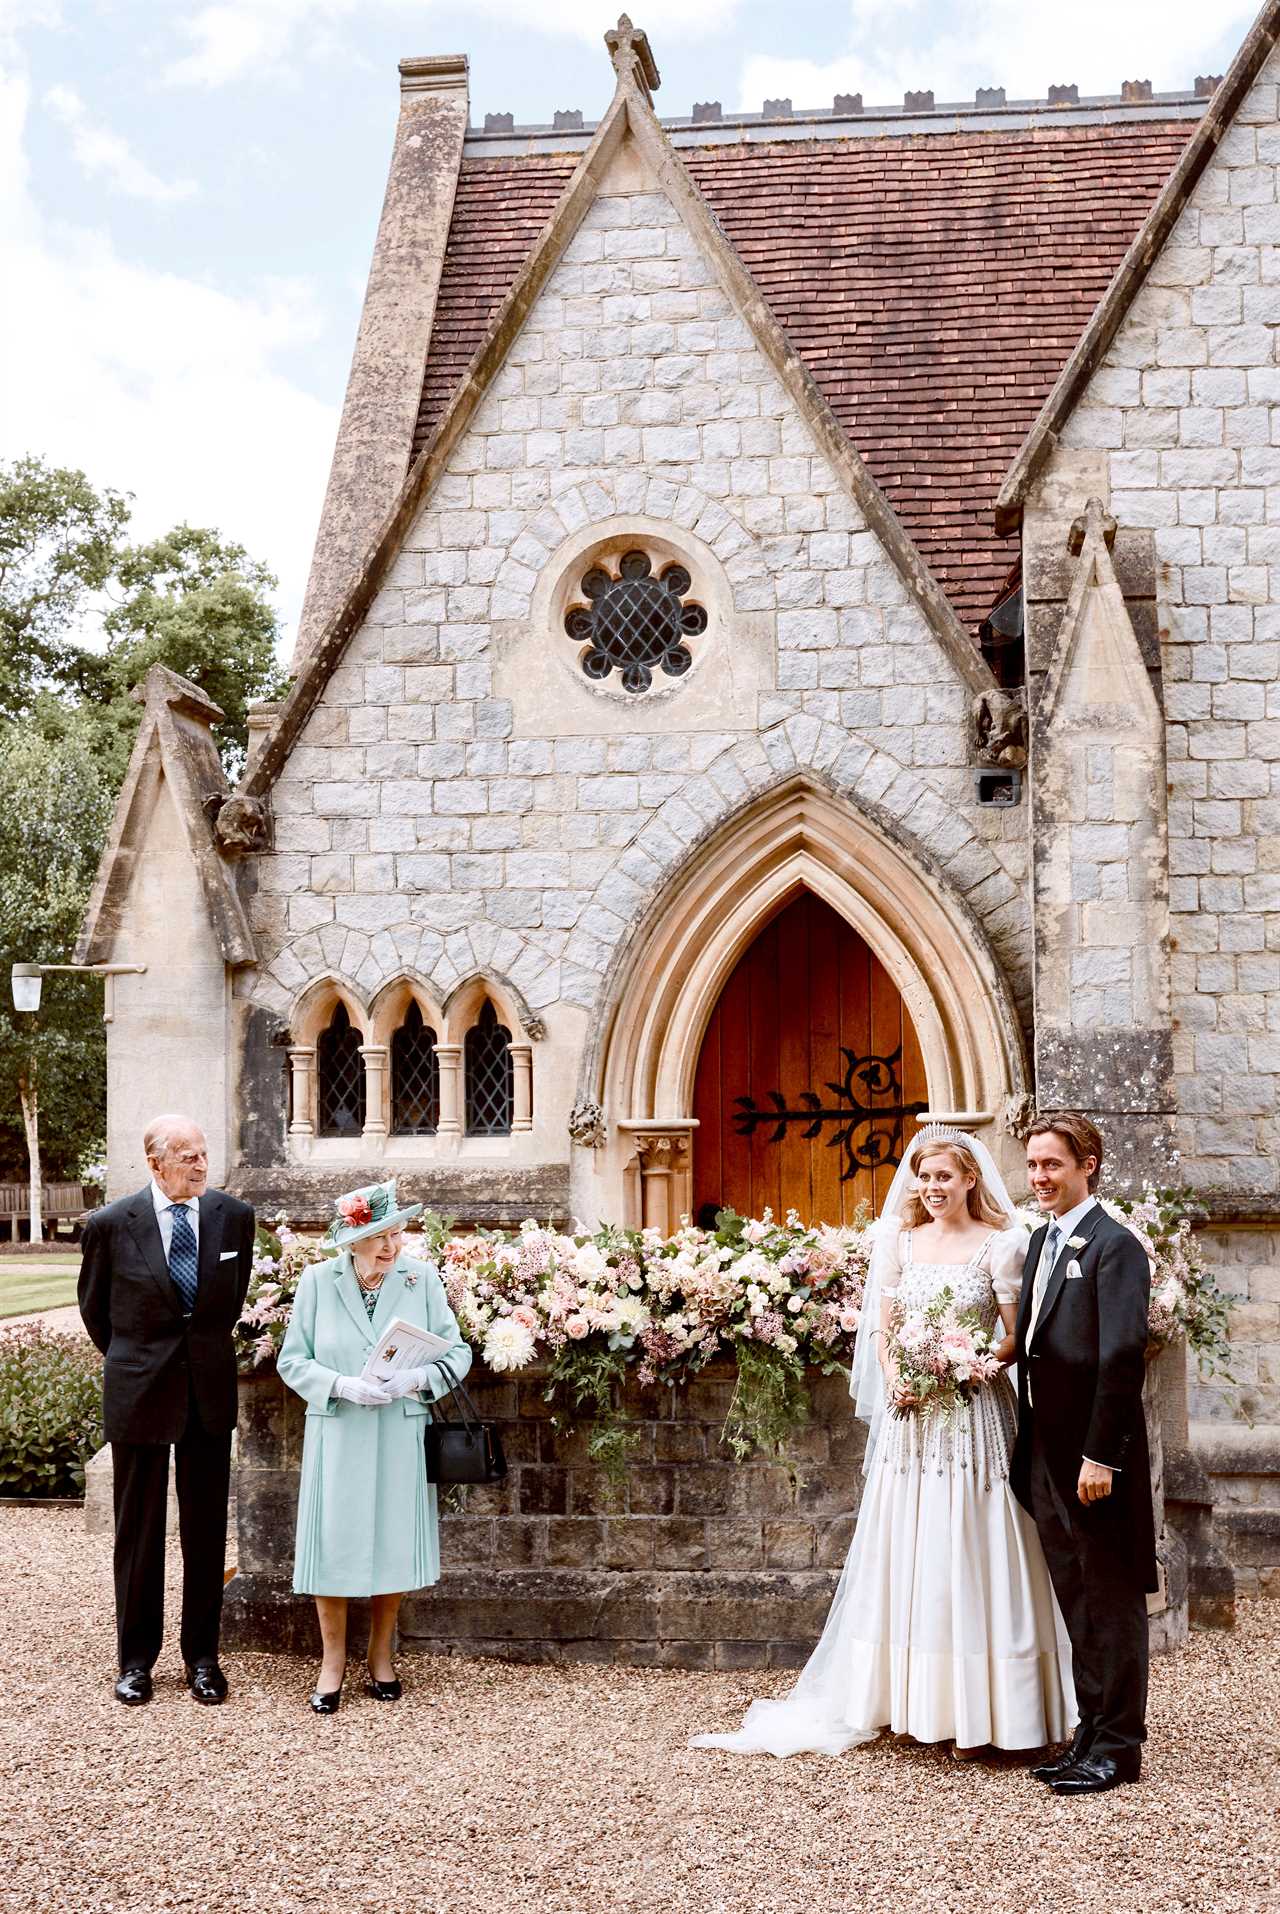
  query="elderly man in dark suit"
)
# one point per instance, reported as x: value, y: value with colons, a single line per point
x: 162, y: 1283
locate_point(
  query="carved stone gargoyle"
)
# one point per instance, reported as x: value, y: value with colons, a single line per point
x: 1000, y: 726
x: 241, y: 826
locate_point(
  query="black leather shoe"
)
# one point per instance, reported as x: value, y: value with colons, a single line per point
x: 326, y: 1703
x: 134, y: 1687
x: 1094, y: 1774
x: 1075, y: 1750
x: 207, y: 1683
x: 382, y: 1690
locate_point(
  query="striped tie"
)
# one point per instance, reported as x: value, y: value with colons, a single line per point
x: 182, y: 1256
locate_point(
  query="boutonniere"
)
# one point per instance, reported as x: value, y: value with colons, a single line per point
x: 1076, y: 1242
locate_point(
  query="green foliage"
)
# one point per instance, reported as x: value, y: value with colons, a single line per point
x: 50, y: 1411
x: 202, y: 608
x: 59, y: 540
x: 589, y: 1380
x: 54, y: 808
x: 770, y: 1402
x: 188, y: 600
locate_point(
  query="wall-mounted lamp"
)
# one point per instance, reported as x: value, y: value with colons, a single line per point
x: 27, y: 979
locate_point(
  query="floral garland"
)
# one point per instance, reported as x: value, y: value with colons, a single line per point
x: 775, y: 1298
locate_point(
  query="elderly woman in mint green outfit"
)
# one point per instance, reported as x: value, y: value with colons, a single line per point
x: 366, y: 1512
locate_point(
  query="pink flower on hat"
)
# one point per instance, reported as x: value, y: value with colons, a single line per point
x: 355, y: 1211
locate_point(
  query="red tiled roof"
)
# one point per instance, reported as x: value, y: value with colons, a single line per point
x: 934, y: 285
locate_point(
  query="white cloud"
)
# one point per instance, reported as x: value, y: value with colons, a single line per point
x: 1024, y: 48
x: 161, y: 385
x: 97, y: 150
x: 245, y: 36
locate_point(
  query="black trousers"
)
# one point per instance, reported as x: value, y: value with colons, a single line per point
x: 141, y: 1480
x: 1105, y: 1612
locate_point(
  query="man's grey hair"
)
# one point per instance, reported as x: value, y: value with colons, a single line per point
x: 161, y: 1132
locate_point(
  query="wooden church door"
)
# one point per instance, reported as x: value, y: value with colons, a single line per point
x: 810, y: 1076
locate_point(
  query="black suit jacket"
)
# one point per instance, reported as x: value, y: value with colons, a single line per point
x: 155, y: 1358
x: 1085, y: 1364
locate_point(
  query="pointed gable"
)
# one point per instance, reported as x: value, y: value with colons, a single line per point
x: 173, y: 754
x: 631, y: 137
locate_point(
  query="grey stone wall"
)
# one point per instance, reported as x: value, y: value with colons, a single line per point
x: 435, y: 814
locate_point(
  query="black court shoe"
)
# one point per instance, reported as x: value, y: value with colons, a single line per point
x: 326, y: 1703
x: 382, y: 1690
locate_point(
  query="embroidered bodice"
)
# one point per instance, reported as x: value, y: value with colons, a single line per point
x: 971, y: 1283
x: 978, y: 1435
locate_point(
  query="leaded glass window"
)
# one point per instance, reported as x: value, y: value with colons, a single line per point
x: 339, y: 1078
x: 415, y: 1078
x: 635, y: 623
x: 489, y: 1076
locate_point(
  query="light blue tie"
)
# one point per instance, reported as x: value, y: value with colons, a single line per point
x: 182, y: 1256
x: 1048, y: 1257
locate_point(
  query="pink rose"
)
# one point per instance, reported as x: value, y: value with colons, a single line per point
x: 577, y: 1327
x: 526, y: 1316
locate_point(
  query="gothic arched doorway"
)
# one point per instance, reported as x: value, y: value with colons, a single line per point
x: 810, y: 1075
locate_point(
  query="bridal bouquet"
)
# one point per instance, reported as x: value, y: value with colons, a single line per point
x: 942, y: 1356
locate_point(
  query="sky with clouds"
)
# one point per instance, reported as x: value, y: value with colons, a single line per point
x: 188, y: 192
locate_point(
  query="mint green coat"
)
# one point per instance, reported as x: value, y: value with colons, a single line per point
x: 366, y: 1512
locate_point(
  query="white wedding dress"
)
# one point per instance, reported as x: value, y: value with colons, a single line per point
x: 944, y: 1625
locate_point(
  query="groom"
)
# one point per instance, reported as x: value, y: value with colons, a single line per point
x: 1080, y: 1461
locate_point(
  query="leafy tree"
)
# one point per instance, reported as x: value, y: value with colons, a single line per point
x: 83, y: 617
x: 59, y: 542
x: 188, y: 600
x: 54, y: 807
x: 201, y: 607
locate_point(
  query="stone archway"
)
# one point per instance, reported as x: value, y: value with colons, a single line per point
x: 797, y: 837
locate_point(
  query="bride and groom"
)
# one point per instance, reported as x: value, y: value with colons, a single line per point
x: 995, y: 1591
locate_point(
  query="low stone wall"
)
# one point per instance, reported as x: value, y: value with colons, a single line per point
x: 1243, y: 1465
x: 694, y: 1561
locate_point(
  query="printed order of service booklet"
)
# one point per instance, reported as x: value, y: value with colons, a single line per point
x: 402, y: 1345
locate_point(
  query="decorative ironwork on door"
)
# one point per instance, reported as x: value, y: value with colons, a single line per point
x: 870, y: 1134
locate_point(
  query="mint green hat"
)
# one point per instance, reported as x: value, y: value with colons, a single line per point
x: 368, y: 1212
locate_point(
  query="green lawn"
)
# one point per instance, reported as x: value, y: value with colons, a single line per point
x: 45, y: 1282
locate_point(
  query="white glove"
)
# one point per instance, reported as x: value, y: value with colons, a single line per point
x: 365, y: 1395
x: 406, y: 1382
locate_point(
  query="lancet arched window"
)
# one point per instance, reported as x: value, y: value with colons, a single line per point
x: 340, y: 1092
x: 415, y: 1077
x: 489, y: 1075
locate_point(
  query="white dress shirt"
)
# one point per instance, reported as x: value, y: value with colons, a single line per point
x: 1067, y: 1226
x: 164, y: 1206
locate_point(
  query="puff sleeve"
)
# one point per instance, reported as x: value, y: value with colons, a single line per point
x: 1007, y: 1257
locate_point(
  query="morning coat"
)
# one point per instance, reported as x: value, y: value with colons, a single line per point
x: 366, y: 1512
x: 1080, y: 1378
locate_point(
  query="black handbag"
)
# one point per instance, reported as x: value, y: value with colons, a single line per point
x: 468, y: 1450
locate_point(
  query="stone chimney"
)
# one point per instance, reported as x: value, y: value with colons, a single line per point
x: 375, y: 436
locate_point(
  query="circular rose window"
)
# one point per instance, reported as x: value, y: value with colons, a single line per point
x: 635, y: 623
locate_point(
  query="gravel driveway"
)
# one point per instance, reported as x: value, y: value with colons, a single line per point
x: 492, y: 1790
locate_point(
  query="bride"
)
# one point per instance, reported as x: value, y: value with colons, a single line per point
x: 944, y: 1626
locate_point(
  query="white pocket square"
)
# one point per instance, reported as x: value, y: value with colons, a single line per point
x: 1074, y: 1271
x: 227, y: 1254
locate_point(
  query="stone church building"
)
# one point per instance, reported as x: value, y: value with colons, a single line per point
x: 792, y: 647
